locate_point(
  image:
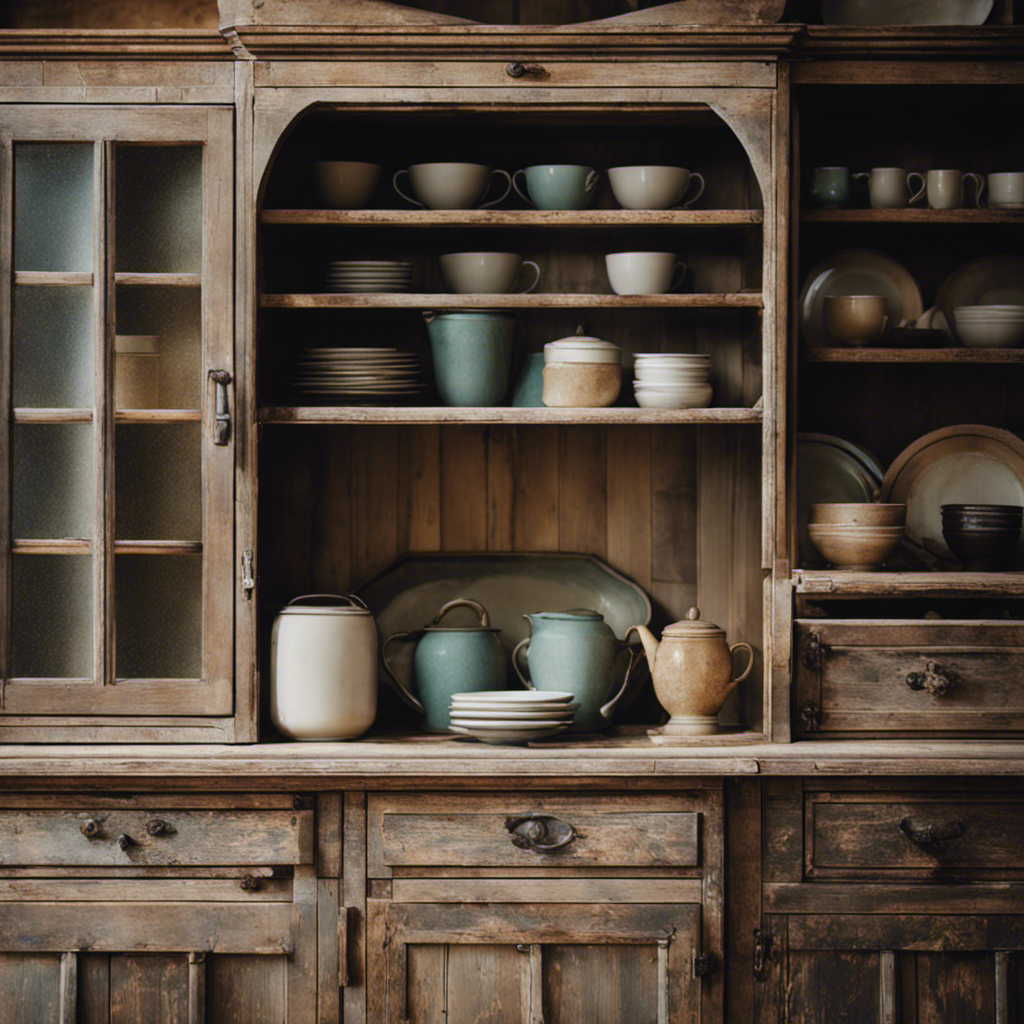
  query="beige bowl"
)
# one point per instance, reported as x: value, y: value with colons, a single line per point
x: 855, y: 547
x: 861, y: 513
x: 346, y: 184
x: 855, y: 319
x: 581, y: 385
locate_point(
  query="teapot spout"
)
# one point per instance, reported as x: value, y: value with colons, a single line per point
x: 647, y: 639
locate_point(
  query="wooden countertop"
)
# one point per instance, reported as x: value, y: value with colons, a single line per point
x: 405, y: 762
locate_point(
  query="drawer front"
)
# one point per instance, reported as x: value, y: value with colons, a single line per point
x: 902, y: 836
x: 909, y: 677
x: 509, y: 830
x: 103, y: 837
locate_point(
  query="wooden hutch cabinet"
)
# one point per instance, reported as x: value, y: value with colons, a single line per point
x: 849, y: 851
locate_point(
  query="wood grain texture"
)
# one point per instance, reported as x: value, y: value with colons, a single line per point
x: 538, y: 300
x: 547, y: 219
x: 431, y: 416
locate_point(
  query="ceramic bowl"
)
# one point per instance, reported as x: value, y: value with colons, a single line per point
x: 681, y: 376
x: 855, y: 319
x: 981, y: 547
x: 862, y: 513
x: 855, y: 547
x: 346, y: 184
x: 673, y: 396
x: 993, y: 333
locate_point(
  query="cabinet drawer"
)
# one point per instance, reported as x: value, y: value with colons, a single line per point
x: 900, y: 836
x: 106, y: 837
x: 909, y: 677
x: 512, y: 830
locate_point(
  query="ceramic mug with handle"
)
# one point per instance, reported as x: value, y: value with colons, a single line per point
x: 451, y: 186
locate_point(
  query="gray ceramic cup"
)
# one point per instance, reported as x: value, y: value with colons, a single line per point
x: 472, y: 355
x: 557, y: 186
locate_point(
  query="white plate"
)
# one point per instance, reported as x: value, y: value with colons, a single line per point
x: 517, y: 697
x: 905, y: 12
x: 857, y: 272
x: 521, y: 725
x: 991, y: 280
x: 507, y: 735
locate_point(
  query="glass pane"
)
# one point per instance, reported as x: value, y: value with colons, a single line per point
x: 53, y: 352
x: 51, y: 616
x: 159, y: 209
x: 53, y: 481
x: 158, y: 604
x: 53, y: 214
x: 171, y: 318
x: 158, y: 481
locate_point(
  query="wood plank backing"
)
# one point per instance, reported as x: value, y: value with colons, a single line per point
x: 151, y: 987
x: 30, y: 983
x: 245, y: 989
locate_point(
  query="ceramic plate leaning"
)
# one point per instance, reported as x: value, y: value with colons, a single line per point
x: 992, y: 280
x: 508, y: 735
x: 905, y: 12
x: 963, y: 464
x: 830, y: 469
x: 856, y: 272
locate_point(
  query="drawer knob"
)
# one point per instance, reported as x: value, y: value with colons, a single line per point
x: 517, y: 69
x: 938, y: 681
x: 158, y: 828
x: 934, y: 834
x: 91, y: 828
x: 125, y: 841
x: 540, y: 833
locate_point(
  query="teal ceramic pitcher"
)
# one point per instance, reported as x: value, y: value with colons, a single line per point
x: 447, y: 660
x: 575, y: 651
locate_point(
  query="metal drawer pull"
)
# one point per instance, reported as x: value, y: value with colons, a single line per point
x: 222, y: 417
x: 251, y: 883
x: 158, y: 828
x: 934, y: 834
x: 938, y: 681
x: 517, y: 69
x: 91, y: 828
x: 540, y: 833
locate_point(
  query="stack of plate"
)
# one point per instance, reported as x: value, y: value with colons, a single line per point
x: 511, y: 716
x: 369, y: 276
x: 672, y: 380
x: 358, y: 373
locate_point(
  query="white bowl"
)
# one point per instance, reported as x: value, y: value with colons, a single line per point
x: 672, y: 376
x: 579, y: 349
x: 698, y: 397
x: 990, y: 333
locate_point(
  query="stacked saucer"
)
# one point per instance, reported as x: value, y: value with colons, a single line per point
x: 369, y: 276
x: 672, y: 380
x: 360, y: 373
x: 511, y: 716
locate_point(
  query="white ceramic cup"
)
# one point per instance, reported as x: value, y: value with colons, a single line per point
x: 346, y: 184
x: 644, y: 273
x: 890, y: 188
x: 493, y: 273
x: 946, y: 189
x: 451, y: 186
x: 1006, y: 188
x: 653, y: 187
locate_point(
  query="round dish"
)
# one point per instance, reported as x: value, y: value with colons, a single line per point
x: 857, y: 272
x: 961, y: 464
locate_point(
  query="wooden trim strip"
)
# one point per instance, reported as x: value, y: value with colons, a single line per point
x: 106, y: 313
x: 536, y: 984
x: 544, y: 300
x: 68, y: 1008
x: 196, y: 988
x: 912, y: 215
x: 887, y: 988
x: 158, y: 547
x: 1001, y: 998
x: 663, y: 980
x: 52, y: 278
x: 6, y: 361
x: 158, y: 416
x: 165, y: 280
x: 24, y: 415
x: 912, y: 355
x: 51, y: 547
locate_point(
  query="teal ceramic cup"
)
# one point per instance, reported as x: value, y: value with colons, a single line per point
x: 472, y: 355
x: 830, y: 186
x: 557, y: 186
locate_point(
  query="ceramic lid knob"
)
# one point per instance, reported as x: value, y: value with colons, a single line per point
x: 693, y: 613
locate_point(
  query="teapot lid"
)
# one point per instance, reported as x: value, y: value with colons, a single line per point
x: 326, y: 604
x: 693, y: 626
x: 570, y: 613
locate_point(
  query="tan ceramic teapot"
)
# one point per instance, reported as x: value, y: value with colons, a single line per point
x: 691, y: 669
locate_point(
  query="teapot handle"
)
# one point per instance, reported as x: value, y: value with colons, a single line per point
x: 607, y: 710
x: 750, y: 664
x: 525, y: 642
x: 464, y: 602
x: 394, y: 682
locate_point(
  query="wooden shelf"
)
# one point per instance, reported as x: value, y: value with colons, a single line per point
x: 912, y: 355
x: 516, y: 218
x: 543, y: 300
x: 909, y: 215
x: 853, y: 583
x: 369, y: 414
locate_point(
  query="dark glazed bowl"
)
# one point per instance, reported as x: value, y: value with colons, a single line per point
x: 981, y: 547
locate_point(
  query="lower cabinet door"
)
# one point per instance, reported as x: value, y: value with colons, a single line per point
x: 156, y: 962
x: 501, y: 963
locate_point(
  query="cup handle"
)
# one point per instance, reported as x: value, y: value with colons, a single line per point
x: 607, y: 710
x: 678, y: 276
x: 591, y: 183
x: 861, y: 174
x: 394, y: 682
x: 921, y: 191
x: 536, y: 279
x: 394, y: 184
x: 525, y: 642
x: 508, y: 188
x: 750, y: 664
x: 979, y: 186
x: 515, y: 185
x: 689, y: 202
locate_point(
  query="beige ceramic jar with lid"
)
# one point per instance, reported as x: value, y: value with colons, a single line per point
x: 581, y: 372
x: 323, y: 668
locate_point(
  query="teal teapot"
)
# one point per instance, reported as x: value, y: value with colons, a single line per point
x: 575, y: 651
x: 447, y: 660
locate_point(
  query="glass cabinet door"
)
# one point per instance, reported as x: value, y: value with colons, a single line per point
x: 116, y: 572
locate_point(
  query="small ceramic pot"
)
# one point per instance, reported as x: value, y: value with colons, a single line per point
x: 472, y: 356
x: 581, y: 372
x: 447, y: 660
x: 830, y: 186
x: 346, y: 184
x: 855, y: 319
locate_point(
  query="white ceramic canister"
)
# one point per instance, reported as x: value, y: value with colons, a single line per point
x: 323, y: 668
